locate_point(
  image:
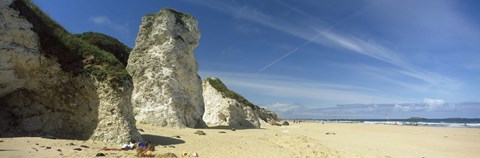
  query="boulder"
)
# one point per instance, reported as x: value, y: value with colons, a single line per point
x: 167, y: 89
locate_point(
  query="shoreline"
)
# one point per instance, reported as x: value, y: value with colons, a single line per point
x: 398, y: 123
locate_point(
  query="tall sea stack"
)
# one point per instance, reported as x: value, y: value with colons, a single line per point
x: 167, y: 89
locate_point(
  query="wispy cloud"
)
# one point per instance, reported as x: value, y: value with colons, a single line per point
x: 312, y: 32
x: 105, y: 21
x: 378, y: 111
x: 317, y: 92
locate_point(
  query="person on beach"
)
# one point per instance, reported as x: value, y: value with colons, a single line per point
x: 145, y: 149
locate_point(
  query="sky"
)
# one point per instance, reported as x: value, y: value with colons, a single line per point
x: 320, y: 59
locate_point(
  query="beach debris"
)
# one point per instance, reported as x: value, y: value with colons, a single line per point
x: 78, y: 149
x: 330, y: 133
x: 100, y: 154
x: 285, y: 123
x: 222, y: 132
x: 233, y: 129
x: 84, y: 146
x: 35, y: 149
x: 200, y: 132
x: 176, y: 136
x: 128, y: 146
x: 195, y: 154
x: 48, y: 147
x: 140, y: 130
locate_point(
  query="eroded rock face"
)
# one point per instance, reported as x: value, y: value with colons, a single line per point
x: 167, y: 89
x: 226, y: 108
x: 38, y: 96
x: 266, y: 116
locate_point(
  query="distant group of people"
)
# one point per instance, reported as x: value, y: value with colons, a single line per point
x: 298, y: 121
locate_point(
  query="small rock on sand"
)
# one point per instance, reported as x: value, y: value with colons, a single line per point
x: 200, y: 132
x: 59, y: 150
x: 233, y: 129
x: 84, y: 146
x: 285, y: 123
x: 330, y: 133
x: 78, y: 149
x: 35, y: 149
x: 176, y: 136
x: 140, y: 130
x: 222, y: 132
x: 99, y: 154
x: 48, y: 147
x: 274, y: 123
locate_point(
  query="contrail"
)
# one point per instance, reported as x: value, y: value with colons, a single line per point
x: 290, y: 52
x: 356, y: 14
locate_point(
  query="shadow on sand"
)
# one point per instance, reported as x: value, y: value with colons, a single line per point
x: 161, y: 140
x: 229, y: 128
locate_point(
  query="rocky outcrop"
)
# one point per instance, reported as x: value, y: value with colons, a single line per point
x: 167, y: 91
x: 226, y: 108
x: 108, y: 44
x: 53, y: 83
x: 266, y: 116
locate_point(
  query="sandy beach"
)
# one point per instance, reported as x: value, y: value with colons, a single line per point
x: 297, y: 140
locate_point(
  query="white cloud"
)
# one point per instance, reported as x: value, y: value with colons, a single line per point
x: 101, y: 20
x: 281, y: 107
x: 105, y: 21
x: 433, y: 102
x: 318, y: 92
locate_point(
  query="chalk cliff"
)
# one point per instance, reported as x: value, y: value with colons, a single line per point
x: 227, y: 108
x: 55, y: 84
x: 167, y: 90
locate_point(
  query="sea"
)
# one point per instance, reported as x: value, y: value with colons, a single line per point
x: 449, y: 122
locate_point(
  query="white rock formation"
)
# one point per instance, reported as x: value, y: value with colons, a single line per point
x: 38, y: 96
x: 226, y: 108
x: 167, y: 90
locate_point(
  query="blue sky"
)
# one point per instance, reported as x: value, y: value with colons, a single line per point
x: 320, y: 59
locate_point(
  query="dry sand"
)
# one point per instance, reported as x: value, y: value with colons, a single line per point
x: 296, y: 140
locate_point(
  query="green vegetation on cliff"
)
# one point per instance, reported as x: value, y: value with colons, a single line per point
x: 74, y: 54
x: 107, y: 43
x: 219, y: 86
